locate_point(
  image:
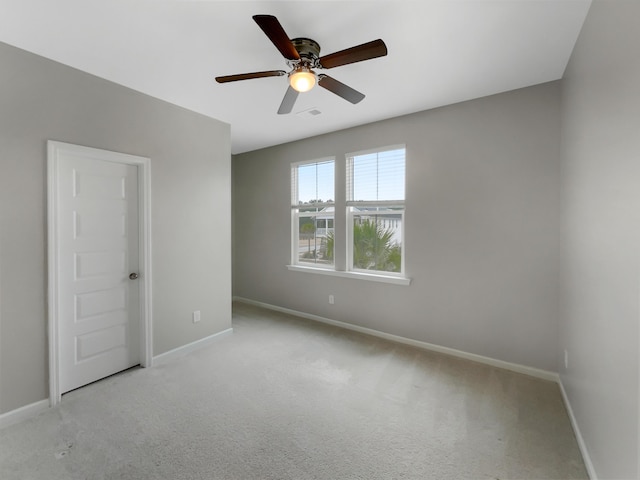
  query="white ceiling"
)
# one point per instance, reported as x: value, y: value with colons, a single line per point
x: 440, y: 52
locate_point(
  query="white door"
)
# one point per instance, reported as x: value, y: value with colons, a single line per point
x: 98, y: 304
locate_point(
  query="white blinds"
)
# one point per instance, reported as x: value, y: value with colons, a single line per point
x: 377, y: 177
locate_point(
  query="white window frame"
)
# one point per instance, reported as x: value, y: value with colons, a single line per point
x: 295, y: 216
x: 351, y: 205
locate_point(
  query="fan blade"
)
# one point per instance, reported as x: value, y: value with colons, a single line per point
x: 366, y: 51
x: 340, y: 89
x: 272, y: 28
x: 248, y: 76
x: 288, y: 101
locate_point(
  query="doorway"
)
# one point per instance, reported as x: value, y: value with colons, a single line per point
x: 99, y: 265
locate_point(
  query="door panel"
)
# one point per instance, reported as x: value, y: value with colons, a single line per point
x: 99, y: 311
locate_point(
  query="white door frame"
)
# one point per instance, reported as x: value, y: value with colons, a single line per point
x: 143, y: 165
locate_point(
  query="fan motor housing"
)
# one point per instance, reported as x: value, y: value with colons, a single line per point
x: 306, y: 47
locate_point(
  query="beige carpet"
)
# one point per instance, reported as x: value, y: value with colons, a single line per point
x: 286, y: 398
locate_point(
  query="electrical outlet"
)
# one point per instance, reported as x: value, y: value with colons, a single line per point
x: 195, y: 316
x: 566, y: 359
x: 331, y: 300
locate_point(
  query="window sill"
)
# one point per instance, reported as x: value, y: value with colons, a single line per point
x: 372, y: 277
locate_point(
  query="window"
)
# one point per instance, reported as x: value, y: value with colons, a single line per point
x: 375, y: 211
x: 313, y: 211
x: 370, y: 244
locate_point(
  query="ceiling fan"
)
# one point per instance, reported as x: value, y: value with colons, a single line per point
x: 302, y: 56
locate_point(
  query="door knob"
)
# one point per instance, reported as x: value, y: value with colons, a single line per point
x: 133, y: 276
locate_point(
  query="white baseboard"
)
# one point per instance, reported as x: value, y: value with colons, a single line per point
x: 514, y: 367
x: 576, y: 429
x: 188, y: 348
x: 23, y: 413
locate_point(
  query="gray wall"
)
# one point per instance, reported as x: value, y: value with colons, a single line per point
x: 482, y: 228
x: 191, y: 179
x: 601, y: 237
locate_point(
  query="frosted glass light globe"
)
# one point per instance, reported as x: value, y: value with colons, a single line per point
x: 302, y: 80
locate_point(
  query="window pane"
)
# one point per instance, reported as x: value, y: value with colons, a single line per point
x: 315, y: 238
x: 377, y: 241
x: 377, y: 176
x: 312, y: 185
x: 391, y: 175
x: 315, y: 183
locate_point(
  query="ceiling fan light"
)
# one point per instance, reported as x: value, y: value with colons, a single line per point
x: 302, y: 80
